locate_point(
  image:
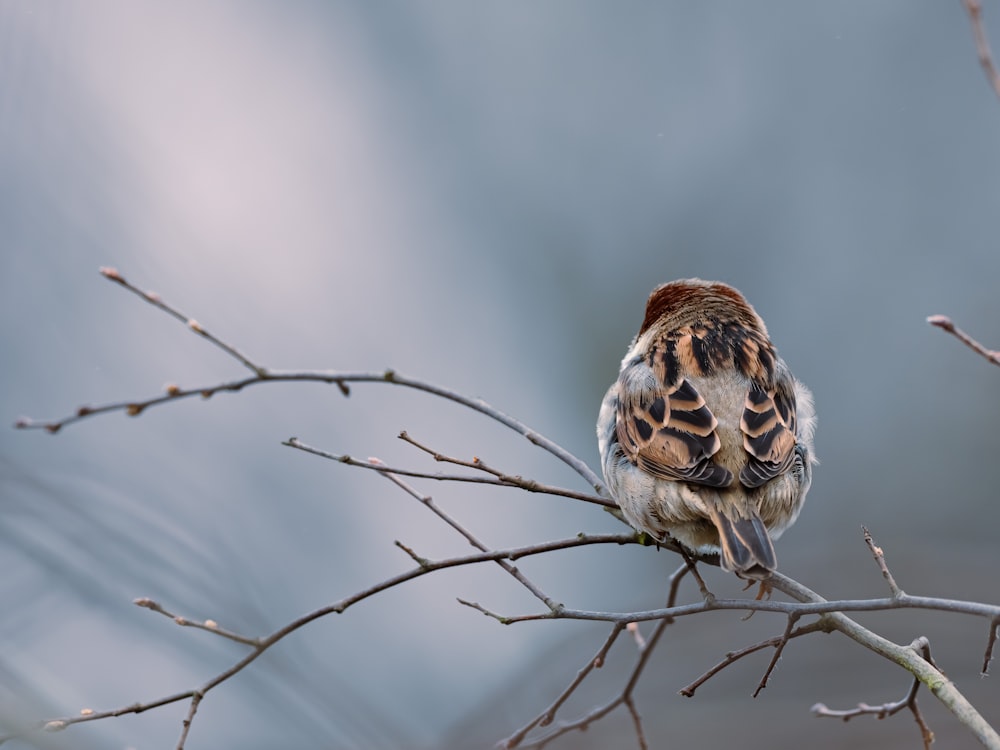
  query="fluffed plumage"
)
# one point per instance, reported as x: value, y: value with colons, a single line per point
x: 706, y: 436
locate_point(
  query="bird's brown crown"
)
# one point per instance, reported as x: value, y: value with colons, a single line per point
x: 688, y: 302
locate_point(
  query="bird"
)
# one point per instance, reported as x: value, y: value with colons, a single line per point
x: 706, y: 436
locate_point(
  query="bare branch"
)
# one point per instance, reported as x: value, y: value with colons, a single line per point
x: 260, y: 645
x: 636, y: 633
x: 800, y: 608
x: 636, y: 721
x: 156, y: 301
x: 905, y: 656
x: 920, y: 645
x: 497, y: 480
x: 778, y: 650
x: 548, y: 715
x: 945, y: 324
x: 990, y: 643
x: 498, y: 617
x: 421, y: 561
x: 692, y: 566
x: 210, y: 626
x: 428, y: 502
x: 262, y: 375
x: 879, y: 556
x: 625, y: 697
x: 512, y: 480
x: 186, y: 724
x: 975, y: 10
x: 915, y: 658
x: 734, y: 656
x: 135, y: 408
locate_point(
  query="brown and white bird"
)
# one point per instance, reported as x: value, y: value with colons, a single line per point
x: 706, y: 436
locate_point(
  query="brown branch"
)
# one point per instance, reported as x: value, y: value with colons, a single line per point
x: 831, y: 613
x: 920, y: 645
x: 547, y: 716
x: 923, y: 670
x: 975, y: 10
x: 624, y: 698
x: 906, y: 657
x: 505, y: 479
x: 174, y: 393
x: 428, y: 502
x: 498, y: 480
x: 734, y: 656
x: 260, y: 645
x: 156, y: 301
x: 263, y: 375
x: 208, y: 625
x: 879, y: 556
x: 636, y: 721
x: 691, y: 564
x: 945, y: 324
x: 990, y: 643
x: 196, y: 700
x: 637, y: 636
x: 798, y: 608
x: 778, y: 651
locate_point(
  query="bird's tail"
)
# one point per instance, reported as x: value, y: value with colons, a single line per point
x: 746, y: 546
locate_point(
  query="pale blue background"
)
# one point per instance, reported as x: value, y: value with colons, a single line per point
x: 480, y: 194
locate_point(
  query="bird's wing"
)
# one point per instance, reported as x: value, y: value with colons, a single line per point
x: 768, y: 426
x: 664, y: 425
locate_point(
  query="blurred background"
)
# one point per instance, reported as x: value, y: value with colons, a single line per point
x: 481, y: 195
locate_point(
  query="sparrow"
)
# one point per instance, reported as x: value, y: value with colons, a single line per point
x: 706, y: 436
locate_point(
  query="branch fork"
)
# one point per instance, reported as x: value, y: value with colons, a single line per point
x: 541, y: 730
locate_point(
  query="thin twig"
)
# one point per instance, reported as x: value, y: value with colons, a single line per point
x: 778, y: 650
x: 975, y: 10
x: 640, y: 735
x: 548, y: 715
x: 945, y: 324
x: 428, y: 501
x: 135, y: 408
x: 990, y: 643
x: 192, y: 710
x: 636, y: 633
x: 920, y: 645
x: 692, y: 566
x: 499, y: 480
x: 800, y: 608
x: 512, y: 480
x: 808, y: 603
x: 623, y: 698
x: 906, y: 657
x: 264, y: 643
x: 732, y: 657
x: 831, y: 613
x: 500, y: 618
x: 879, y: 556
x: 156, y: 301
x: 262, y: 375
x: 554, y: 607
x: 208, y: 625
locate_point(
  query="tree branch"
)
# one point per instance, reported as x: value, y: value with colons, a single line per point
x: 975, y: 10
x: 498, y: 479
x: 942, y: 688
x: 732, y: 657
x: 881, y: 711
x: 262, y: 644
x: 945, y: 324
x: 624, y: 698
x: 915, y: 657
x: 341, y: 379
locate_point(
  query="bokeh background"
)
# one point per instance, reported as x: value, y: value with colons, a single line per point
x: 482, y: 195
